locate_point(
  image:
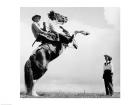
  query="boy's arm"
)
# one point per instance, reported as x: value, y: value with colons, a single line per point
x: 103, y: 70
x: 112, y: 69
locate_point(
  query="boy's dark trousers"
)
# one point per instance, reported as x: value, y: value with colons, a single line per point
x: 108, y: 82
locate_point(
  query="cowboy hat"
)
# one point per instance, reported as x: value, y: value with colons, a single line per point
x: 109, y: 57
x: 35, y: 17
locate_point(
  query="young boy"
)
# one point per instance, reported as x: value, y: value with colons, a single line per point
x: 107, y: 75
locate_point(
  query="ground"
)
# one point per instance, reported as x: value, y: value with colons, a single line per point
x: 70, y: 95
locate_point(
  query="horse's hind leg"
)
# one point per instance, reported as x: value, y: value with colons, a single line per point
x: 33, y: 89
x: 28, y: 78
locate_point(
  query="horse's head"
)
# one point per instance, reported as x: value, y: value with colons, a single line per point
x: 57, y: 17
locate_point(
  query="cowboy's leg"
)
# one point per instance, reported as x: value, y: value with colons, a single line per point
x: 60, y: 37
x: 46, y: 38
x: 56, y: 37
x: 65, y: 39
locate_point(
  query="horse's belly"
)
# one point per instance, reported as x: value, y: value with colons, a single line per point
x: 38, y: 72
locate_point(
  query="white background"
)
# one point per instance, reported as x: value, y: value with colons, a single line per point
x: 10, y: 51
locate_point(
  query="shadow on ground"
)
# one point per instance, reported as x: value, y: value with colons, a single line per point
x: 69, y: 95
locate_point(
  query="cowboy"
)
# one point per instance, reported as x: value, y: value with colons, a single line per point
x: 39, y: 33
x: 107, y: 75
x: 45, y: 36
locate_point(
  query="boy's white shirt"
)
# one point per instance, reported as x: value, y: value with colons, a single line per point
x: 109, y: 66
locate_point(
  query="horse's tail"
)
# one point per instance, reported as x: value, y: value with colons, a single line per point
x: 28, y: 73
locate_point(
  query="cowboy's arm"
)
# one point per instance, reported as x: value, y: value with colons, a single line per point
x: 38, y: 29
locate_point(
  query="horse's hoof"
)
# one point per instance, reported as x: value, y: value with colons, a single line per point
x: 35, y: 94
x: 28, y: 94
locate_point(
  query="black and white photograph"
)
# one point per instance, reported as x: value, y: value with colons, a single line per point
x: 70, y: 52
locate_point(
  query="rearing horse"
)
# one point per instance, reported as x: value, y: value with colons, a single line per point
x: 37, y: 64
